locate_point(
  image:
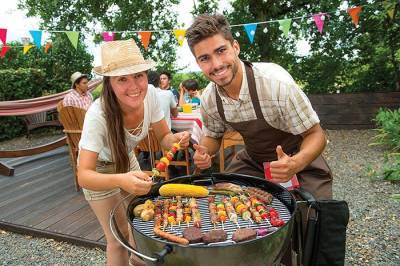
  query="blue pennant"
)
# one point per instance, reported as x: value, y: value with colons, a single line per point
x: 37, y: 37
x: 250, y: 30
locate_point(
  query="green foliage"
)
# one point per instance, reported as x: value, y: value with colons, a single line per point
x: 198, y: 76
x: 22, y: 83
x: 10, y: 127
x: 18, y: 84
x: 115, y: 16
x: 388, y: 122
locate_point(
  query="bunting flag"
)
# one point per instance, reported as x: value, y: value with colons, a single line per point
x: 4, y: 50
x: 389, y: 7
x: 37, y: 37
x: 27, y: 47
x: 284, y: 25
x: 108, y: 36
x: 47, y: 47
x: 354, y: 13
x: 319, y: 21
x: 145, y: 38
x: 3, y: 36
x: 251, y: 31
x: 73, y: 37
x: 180, y: 36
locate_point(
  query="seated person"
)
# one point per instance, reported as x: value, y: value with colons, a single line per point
x: 166, y: 98
x: 79, y: 95
x: 189, y: 92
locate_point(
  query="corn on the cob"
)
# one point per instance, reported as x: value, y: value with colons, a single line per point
x: 171, y: 190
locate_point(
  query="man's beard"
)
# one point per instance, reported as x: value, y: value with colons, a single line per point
x: 234, y: 68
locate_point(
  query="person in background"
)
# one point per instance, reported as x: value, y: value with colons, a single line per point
x: 79, y: 96
x: 165, y: 84
x: 264, y: 104
x: 189, y: 92
x: 114, y: 125
x: 166, y: 98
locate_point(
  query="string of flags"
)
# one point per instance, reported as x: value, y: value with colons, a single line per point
x: 145, y: 36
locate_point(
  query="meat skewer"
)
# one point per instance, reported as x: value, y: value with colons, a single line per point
x: 196, y: 217
x: 179, y: 210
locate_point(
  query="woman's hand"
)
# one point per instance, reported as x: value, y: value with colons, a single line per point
x: 136, y: 182
x: 182, y: 137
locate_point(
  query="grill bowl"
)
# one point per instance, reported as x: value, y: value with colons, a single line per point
x: 264, y: 250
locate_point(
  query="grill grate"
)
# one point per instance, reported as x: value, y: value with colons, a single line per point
x: 206, y: 225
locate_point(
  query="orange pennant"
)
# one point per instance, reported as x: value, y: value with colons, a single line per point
x: 354, y: 13
x: 145, y: 38
x: 47, y: 47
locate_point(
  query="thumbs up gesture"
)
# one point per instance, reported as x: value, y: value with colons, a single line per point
x: 284, y: 168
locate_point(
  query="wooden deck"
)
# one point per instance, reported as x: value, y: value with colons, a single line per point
x: 41, y: 200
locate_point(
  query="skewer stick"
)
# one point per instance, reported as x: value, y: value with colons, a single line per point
x: 237, y: 224
x: 222, y: 224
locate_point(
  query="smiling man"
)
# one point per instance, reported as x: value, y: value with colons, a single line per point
x: 264, y: 104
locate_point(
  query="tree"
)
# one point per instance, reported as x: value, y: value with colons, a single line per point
x: 91, y: 16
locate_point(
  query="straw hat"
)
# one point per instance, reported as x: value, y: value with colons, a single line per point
x: 120, y: 58
x: 75, y: 77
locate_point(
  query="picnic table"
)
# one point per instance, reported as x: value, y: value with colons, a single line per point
x: 190, y: 122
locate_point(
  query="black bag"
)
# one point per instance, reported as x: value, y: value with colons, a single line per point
x: 325, y: 235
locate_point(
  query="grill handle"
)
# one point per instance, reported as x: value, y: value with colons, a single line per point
x: 117, y: 234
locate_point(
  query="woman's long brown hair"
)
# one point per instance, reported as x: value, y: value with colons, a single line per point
x: 115, y: 125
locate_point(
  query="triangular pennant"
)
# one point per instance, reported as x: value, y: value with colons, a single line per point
x: 3, y: 36
x: 180, y: 36
x: 389, y: 7
x: 284, y: 25
x: 73, y: 37
x: 319, y: 21
x: 37, y: 37
x: 27, y: 47
x: 47, y: 47
x: 4, y: 50
x: 145, y: 38
x: 354, y: 13
x: 251, y: 31
x: 108, y: 36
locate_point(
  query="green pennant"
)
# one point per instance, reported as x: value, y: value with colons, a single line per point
x: 389, y: 7
x: 73, y: 37
x: 284, y: 25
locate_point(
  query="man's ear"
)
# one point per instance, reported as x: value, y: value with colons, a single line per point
x: 236, y: 47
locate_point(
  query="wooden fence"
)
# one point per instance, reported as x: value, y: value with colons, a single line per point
x: 352, y: 110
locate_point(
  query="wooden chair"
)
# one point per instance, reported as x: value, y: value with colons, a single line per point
x: 72, y: 120
x: 230, y: 139
x: 151, y: 144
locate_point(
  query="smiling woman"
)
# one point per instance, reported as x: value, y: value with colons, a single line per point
x: 114, y: 125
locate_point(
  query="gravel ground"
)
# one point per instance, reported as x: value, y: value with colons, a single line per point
x: 373, y: 236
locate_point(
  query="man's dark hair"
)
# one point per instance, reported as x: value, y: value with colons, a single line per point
x: 205, y: 26
x: 154, y: 78
x: 190, y: 84
x: 167, y: 74
x: 79, y: 80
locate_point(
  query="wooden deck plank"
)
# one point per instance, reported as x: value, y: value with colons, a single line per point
x: 38, y: 179
x: 40, y: 200
x: 33, y: 196
x: 54, y: 199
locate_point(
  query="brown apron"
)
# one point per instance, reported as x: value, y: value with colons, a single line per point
x: 261, y: 140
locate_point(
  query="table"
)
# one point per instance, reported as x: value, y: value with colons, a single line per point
x: 189, y: 122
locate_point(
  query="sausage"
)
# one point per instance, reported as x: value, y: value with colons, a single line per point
x: 170, y: 237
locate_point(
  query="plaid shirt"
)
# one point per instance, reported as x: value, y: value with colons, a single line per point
x: 284, y: 105
x: 75, y: 99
